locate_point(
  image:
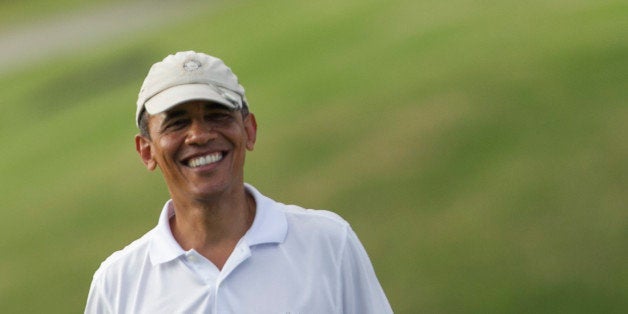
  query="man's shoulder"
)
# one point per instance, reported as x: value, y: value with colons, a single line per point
x: 302, y: 217
x: 315, y: 221
x: 133, y: 253
x: 322, y: 216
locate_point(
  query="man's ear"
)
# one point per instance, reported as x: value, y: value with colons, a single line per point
x: 250, y: 126
x: 144, y: 149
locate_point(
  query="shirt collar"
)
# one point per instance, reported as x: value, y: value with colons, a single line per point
x: 269, y: 226
x: 163, y: 247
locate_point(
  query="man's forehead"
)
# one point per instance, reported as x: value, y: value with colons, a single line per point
x: 185, y: 107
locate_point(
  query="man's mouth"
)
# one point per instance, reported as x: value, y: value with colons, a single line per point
x: 205, y: 160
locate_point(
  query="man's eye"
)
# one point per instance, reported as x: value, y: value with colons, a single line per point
x: 176, y: 124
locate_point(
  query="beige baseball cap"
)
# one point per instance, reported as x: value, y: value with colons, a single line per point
x: 187, y: 76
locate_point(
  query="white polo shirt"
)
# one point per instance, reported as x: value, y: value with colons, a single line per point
x: 291, y: 260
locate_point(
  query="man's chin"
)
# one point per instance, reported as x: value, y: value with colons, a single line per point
x: 209, y: 191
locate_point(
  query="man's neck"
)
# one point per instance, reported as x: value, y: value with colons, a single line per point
x: 213, y: 227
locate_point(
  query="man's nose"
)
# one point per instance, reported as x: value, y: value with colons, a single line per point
x: 199, y: 133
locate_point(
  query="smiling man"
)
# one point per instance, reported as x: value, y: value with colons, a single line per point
x: 220, y: 246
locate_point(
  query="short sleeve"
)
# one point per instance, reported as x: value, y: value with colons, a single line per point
x: 361, y: 291
x: 96, y: 302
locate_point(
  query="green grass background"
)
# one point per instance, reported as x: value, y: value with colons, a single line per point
x: 478, y: 148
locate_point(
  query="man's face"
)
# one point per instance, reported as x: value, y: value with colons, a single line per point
x: 199, y: 147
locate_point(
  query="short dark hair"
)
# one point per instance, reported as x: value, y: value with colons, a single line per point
x: 143, y: 122
x: 244, y: 109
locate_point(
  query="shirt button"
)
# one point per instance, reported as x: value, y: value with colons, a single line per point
x: 193, y: 258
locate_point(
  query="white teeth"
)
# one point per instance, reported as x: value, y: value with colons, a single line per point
x: 205, y: 160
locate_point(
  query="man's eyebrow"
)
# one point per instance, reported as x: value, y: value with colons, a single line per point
x: 171, y: 115
x: 174, y: 114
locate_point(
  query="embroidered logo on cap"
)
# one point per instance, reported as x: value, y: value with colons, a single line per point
x: 191, y: 65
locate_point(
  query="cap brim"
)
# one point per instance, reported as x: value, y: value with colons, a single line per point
x: 179, y: 94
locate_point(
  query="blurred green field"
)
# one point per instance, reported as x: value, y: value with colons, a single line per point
x: 477, y: 148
